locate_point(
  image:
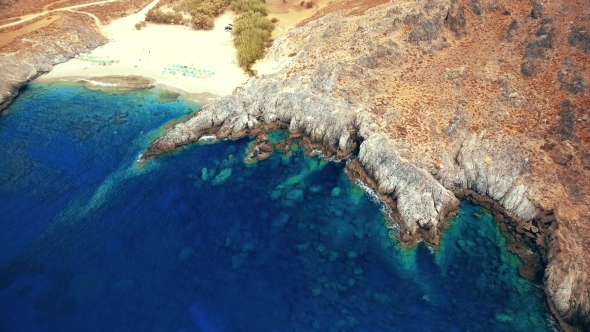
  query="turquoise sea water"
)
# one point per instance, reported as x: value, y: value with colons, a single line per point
x: 199, y: 241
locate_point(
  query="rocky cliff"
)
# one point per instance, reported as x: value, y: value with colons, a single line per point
x: 435, y: 100
x: 39, y: 51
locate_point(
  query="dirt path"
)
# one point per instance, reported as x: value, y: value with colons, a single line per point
x: 96, y: 19
x: 26, y: 18
x: 6, y: 38
x: 47, y: 6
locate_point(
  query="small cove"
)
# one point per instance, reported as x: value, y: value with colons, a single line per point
x: 199, y: 241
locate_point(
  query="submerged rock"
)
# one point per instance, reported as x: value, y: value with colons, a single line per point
x: 186, y: 254
x: 206, y: 174
x: 237, y: 261
x: 335, y: 192
x: 280, y: 221
x: 359, y: 87
x: 295, y: 195
x: 222, y: 177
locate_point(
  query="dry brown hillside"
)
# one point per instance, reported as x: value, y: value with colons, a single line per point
x: 16, y: 8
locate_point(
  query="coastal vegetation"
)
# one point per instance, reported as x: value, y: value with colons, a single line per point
x: 202, y: 12
x: 156, y: 15
x: 255, y: 6
x: 202, y: 21
x: 140, y: 25
x: 211, y: 8
x: 252, y: 31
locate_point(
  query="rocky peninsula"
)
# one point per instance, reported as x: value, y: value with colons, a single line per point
x: 433, y: 101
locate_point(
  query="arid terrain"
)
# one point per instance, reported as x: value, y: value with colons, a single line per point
x: 106, y: 10
x: 428, y: 101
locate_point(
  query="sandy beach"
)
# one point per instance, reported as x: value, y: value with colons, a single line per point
x: 171, y: 55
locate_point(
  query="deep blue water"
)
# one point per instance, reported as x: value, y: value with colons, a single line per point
x: 200, y: 241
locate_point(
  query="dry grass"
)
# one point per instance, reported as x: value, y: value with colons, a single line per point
x: 113, y: 10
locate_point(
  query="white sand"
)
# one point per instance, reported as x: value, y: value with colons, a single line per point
x: 148, y: 51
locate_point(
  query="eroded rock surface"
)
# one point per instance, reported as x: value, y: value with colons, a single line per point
x: 48, y: 47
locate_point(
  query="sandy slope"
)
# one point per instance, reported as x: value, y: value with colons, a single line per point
x: 289, y: 14
x: 147, y: 53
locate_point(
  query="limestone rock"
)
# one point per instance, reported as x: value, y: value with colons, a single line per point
x: 421, y: 200
x: 20, y: 68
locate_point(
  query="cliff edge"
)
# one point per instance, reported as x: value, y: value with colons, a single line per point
x: 24, y: 59
x: 432, y: 101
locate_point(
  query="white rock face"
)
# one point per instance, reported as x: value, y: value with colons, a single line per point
x: 493, y: 169
x: 421, y: 200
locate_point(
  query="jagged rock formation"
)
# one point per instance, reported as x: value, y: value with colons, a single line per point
x: 67, y: 37
x: 435, y: 99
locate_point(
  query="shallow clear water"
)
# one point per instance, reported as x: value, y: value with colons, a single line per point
x: 200, y: 241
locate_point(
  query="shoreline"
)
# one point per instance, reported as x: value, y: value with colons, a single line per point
x: 528, y: 243
x: 497, y: 211
x: 199, y: 64
x: 129, y: 82
x: 174, y: 56
x: 354, y: 171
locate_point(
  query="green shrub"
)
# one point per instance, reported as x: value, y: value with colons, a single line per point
x: 138, y: 26
x: 158, y: 16
x: 202, y: 21
x: 251, y: 20
x: 251, y: 46
x: 252, y: 32
x: 198, y: 9
x: 208, y: 7
x: 153, y: 15
x: 244, y: 6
